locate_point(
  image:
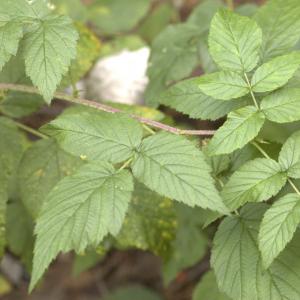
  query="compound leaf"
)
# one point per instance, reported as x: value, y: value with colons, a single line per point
x: 186, y: 97
x: 275, y: 73
x: 225, y: 85
x: 234, y: 41
x: 241, y: 127
x: 173, y: 167
x: 282, y: 106
x: 289, y: 156
x: 278, y: 227
x: 80, y: 211
x: 256, y: 181
x: 49, y: 46
x: 97, y: 136
x: 237, y: 264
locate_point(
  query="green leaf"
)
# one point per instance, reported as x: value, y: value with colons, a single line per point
x: 234, y: 41
x: 115, y: 16
x: 72, y: 8
x: 275, y: 73
x: 186, y: 97
x: 18, y: 105
x: 278, y: 227
x: 97, y: 136
x: 150, y: 223
x: 80, y: 211
x: 257, y: 180
x: 42, y: 166
x: 84, y: 262
x: 203, y: 13
x: 282, y: 106
x: 289, y: 157
x: 10, y: 34
x: 280, y: 23
x: 189, y: 239
x: 237, y: 264
x: 225, y: 85
x: 207, y: 288
x: 11, y: 149
x: 173, y: 167
x: 49, y: 47
x: 88, y: 50
x: 19, y: 232
x: 240, y: 128
x: 174, y: 56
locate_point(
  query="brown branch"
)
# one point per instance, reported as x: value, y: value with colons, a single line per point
x: 106, y: 108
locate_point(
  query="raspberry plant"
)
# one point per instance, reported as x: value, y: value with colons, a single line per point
x: 101, y: 177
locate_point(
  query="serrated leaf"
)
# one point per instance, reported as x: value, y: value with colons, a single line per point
x: 275, y: 73
x: 10, y: 34
x: 282, y: 106
x: 257, y: 180
x: 225, y: 85
x: 49, y: 46
x: 97, y: 136
x: 234, y: 41
x: 150, y: 223
x: 88, y: 50
x: 280, y: 23
x: 237, y: 264
x: 174, y: 56
x: 289, y: 157
x: 173, y: 167
x: 80, y: 211
x: 186, y: 97
x: 42, y: 166
x: 207, y: 288
x: 240, y: 128
x: 278, y: 227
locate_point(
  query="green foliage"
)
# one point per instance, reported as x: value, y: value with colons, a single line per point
x: 237, y: 264
x: 80, y: 211
x: 101, y: 180
x: 241, y: 127
x: 97, y: 136
x: 208, y: 289
x: 176, y: 163
x: 255, y: 181
x: 234, y: 41
x: 114, y: 16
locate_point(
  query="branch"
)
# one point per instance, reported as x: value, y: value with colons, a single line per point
x: 106, y: 108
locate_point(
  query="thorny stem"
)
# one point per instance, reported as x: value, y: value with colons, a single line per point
x: 106, y: 108
x: 251, y: 91
x: 31, y: 130
x: 267, y: 156
x: 230, y: 4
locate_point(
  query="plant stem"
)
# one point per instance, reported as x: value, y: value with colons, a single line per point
x: 230, y: 4
x: 262, y: 151
x: 126, y: 164
x: 31, y: 130
x: 147, y: 128
x: 106, y: 108
x: 251, y: 91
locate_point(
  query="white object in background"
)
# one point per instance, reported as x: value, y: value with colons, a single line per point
x: 120, y: 77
